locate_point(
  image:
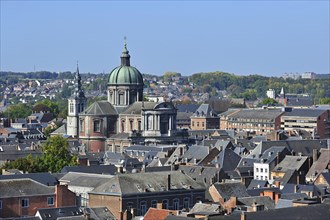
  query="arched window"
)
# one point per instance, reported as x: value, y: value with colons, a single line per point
x: 71, y: 108
x: 143, y: 207
x: 131, y: 125
x: 176, y: 204
x: 123, y: 126
x: 165, y: 204
x: 186, y: 203
x: 154, y: 203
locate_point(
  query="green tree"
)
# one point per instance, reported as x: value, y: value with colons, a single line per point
x: 18, y: 111
x: 325, y: 101
x: 56, y: 154
x: 268, y: 101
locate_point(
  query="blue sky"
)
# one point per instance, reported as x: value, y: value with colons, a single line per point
x: 241, y: 37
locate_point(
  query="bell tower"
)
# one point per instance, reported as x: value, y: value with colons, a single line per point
x: 76, y: 104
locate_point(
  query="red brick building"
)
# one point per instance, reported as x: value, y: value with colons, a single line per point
x: 138, y: 192
x: 23, y: 197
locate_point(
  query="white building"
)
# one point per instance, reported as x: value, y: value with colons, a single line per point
x: 271, y: 93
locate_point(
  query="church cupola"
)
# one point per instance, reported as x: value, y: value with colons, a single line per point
x: 125, y: 82
x: 125, y: 57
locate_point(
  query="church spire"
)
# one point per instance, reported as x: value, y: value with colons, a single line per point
x: 125, y: 55
x: 77, y: 83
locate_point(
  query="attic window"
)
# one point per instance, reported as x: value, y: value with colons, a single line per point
x: 299, y: 159
x: 279, y: 168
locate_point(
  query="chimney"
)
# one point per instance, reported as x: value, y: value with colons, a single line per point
x: 120, y: 168
x: 243, y: 216
x: 168, y: 182
x: 159, y: 205
x: 296, y: 188
x: 315, y: 155
x: 277, y: 184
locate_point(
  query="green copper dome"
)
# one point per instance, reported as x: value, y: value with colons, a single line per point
x: 125, y: 75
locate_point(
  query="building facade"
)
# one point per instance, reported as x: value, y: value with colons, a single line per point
x: 124, y: 115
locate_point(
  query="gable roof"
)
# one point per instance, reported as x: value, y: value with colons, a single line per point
x: 100, y: 108
x: 135, y: 183
x: 23, y: 187
x: 304, y: 113
x: 290, y: 163
x: 159, y: 214
x: 264, y: 114
x: 318, y: 166
x: 227, y: 190
x: 203, y: 174
x: 43, y: 178
x: 260, y: 200
x: 196, y: 152
x: 205, y: 110
x: 99, y: 169
x: 56, y: 213
x: 304, y: 146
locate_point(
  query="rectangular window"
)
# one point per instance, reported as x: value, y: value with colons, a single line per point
x: 203, y: 124
x: 50, y: 201
x: 0, y: 204
x: 97, y: 126
x: 266, y: 170
x: 261, y: 170
x: 25, y: 203
x: 81, y: 125
x: 257, y: 169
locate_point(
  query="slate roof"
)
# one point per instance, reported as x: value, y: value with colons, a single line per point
x: 290, y: 163
x: 135, y: 183
x: 55, y: 213
x: 304, y: 146
x: 203, y: 174
x: 321, y: 164
x: 183, y: 115
x: 299, y: 101
x: 257, y: 191
x: 264, y: 114
x: 314, y: 113
x: 293, y: 196
x: 100, y: 213
x: 43, y: 178
x: 85, y: 180
x: 98, y: 169
x: 292, y: 188
x: 227, y: 190
x: 100, y: 108
x: 257, y: 184
x: 136, y: 107
x: 260, y: 200
x: 205, y: 207
x: 318, y: 211
x: 196, y: 152
x: 23, y: 187
x: 205, y: 110
x: 227, y: 159
x: 60, y: 131
x: 245, y: 166
x: 187, y: 108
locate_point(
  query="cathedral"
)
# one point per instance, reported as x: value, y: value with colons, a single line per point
x: 124, y: 118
